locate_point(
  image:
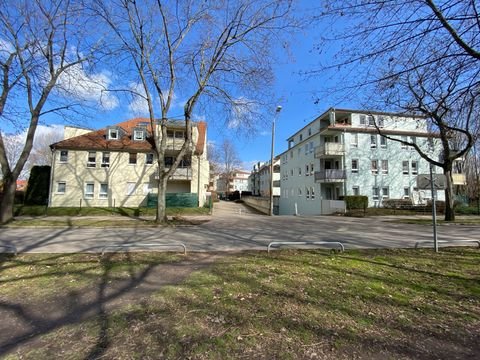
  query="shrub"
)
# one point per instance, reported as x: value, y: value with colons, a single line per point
x: 356, y: 202
x: 38, y: 184
x: 397, y: 203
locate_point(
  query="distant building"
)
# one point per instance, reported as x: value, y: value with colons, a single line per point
x: 259, y: 178
x: 235, y: 181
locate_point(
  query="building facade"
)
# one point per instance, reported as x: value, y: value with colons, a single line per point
x: 341, y: 153
x: 259, y: 178
x: 236, y: 181
x: 117, y: 166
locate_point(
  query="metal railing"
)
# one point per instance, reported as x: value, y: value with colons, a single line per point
x: 330, y: 175
x: 9, y: 247
x: 144, y: 245
x: 447, y: 242
x: 280, y: 243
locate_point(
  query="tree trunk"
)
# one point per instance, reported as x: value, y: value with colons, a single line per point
x: 449, y: 197
x: 161, y: 201
x: 7, y: 200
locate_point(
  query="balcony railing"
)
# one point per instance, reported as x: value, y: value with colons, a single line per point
x: 459, y: 179
x: 330, y: 149
x: 184, y: 173
x: 330, y: 175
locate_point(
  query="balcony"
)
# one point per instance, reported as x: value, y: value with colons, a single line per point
x: 459, y: 179
x: 330, y: 149
x: 184, y: 173
x: 330, y: 175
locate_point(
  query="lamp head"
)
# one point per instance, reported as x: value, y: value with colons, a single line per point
x: 279, y: 108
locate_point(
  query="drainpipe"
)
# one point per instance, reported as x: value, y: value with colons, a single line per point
x: 52, y: 173
x: 198, y: 180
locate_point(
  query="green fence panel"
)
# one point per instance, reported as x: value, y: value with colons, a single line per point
x: 174, y: 200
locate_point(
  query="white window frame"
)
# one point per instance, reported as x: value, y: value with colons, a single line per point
x: 307, y: 193
x: 406, y: 193
x: 105, y: 159
x: 307, y: 169
x: 375, y: 192
x: 312, y: 193
x: 374, y: 166
x: 363, y: 120
x: 299, y: 171
x: 405, y: 167
x: 383, y: 142
x: 373, y: 141
x: 414, y: 167
x: 102, y: 193
x: 371, y: 121
x: 356, y: 190
x: 384, y: 164
x: 111, y: 132
x: 354, y: 140
x: 312, y: 169
x: 63, y: 158
x: 130, y: 190
x: 404, y: 138
x: 89, y: 194
x: 385, y: 192
x: 355, y: 169
x: 90, y: 163
x: 138, y: 135
x: 64, y: 183
x: 147, y: 162
x: 299, y: 192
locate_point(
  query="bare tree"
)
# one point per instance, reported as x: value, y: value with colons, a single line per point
x: 229, y: 161
x: 40, y: 41
x: 203, y: 50
x: 417, y: 57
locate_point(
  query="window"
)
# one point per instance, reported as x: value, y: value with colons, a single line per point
x: 356, y: 190
x: 383, y: 142
x: 300, y: 137
x: 105, y: 159
x: 405, y: 168
x: 307, y: 193
x: 363, y: 120
x: 63, y: 156
x: 179, y: 134
x: 354, y: 140
x: 414, y: 167
x: 299, y: 171
x: 170, y: 133
x: 132, y: 158
x: 138, y: 135
x: 61, y: 187
x: 291, y: 172
x: 89, y: 190
x: 374, y: 166
x: 130, y: 188
x: 381, y: 121
x: 375, y: 193
x: 311, y: 169
x: 299, y: 151
x: 385, y: 192
x: 373, y: 141
x: 307, y: 170
x: 406, y: 192
x: 291, y: 154
x: 103, y: 193
x: 404, y: 138
x: 309, y: 131
x: 168, y: 161
x: 311, y: 146
x: 299, y: 192
x: 371, y: 120
x: 306, y: 149
x: 312, y: 192
x: 149, y: 158
x: 384, y: 166
x: 92, y: 159
x: 354, y: 165
x: 112, y: 134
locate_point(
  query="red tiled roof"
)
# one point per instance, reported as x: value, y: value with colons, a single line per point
x: 97, y: 140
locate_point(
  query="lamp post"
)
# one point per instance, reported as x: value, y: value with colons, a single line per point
x: 277, y: 112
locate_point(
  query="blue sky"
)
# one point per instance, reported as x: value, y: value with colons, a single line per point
x: 298, y: 94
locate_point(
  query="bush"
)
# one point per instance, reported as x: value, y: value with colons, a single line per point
x: 397, y: 203
x: 467, y: 210
x: 356, y: 202
x: 38, y: 185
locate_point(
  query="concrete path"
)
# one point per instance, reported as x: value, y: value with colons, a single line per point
x: 235, y: 227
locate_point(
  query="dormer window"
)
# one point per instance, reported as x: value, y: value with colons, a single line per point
x: 139, y: 134
x: 113, y: 134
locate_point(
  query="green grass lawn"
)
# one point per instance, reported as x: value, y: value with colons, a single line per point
x: 289, y: 305
x: 458, y: 221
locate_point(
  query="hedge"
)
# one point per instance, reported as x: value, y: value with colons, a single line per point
x: 38, y: 184
x: 356, y: 202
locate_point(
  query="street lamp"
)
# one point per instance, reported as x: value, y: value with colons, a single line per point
x: 277, y: 112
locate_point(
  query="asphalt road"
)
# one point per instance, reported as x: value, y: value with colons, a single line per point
x: 235, y: 228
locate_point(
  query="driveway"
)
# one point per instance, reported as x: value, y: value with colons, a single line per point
x: 235, y: 227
